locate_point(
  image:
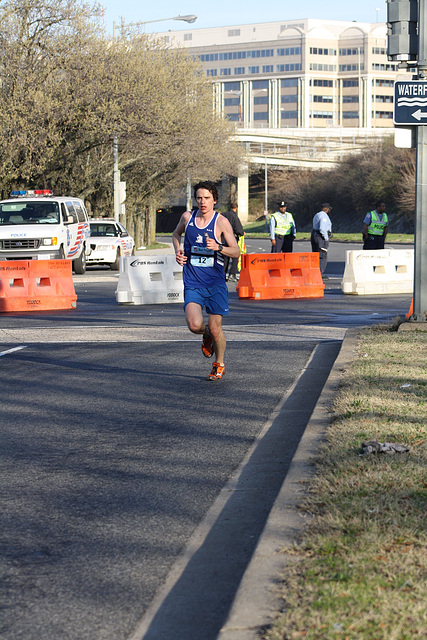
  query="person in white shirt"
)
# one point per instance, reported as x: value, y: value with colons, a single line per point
x: 322, y: 231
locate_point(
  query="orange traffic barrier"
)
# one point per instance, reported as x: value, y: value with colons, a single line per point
x: 411, y: 310
x: 269, y: 276
x: 33, y: 285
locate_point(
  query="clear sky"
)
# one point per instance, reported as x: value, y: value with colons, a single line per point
x: 221, y: 13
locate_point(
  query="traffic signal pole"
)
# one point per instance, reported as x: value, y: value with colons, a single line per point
x: 420, y: 246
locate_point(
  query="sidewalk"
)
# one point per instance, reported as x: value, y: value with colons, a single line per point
x: 258, y: 599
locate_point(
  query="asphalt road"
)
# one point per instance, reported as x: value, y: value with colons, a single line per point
x: 114, y: 449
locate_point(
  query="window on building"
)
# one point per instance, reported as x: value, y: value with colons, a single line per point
x: 289, y: 82
x: 379, y: 82
x: 383, y: 115
x: 323, y: 98
x: 280, y: 68
x: 260, y: 53
x: 239, y: 71
x: 209, y: 57
x: 352, y: 67
x: 314, y: 66
x: 225, y: 72
x: 260, y: 84
x: 261, y: 100
x: 231, y: 86
x: 384, y: 67
x: 289, y: 115
x: 267, y: 68
x: 291, y: 98
x: 379, y: 51
x: 322, y: 114
x: 211, y: 72
x: 322, y: 83
x: 232, y: 33
x: 289, y: 51
x: 350, y: 115
x: 319, y: 51
x: 188, y: 36
x: 347, y: 99
x: 231, y: 102
x: 350, y: 83
x: 253, y: 69
x: 351, y: 52
x: 261, y: 115
x: 388, y: 99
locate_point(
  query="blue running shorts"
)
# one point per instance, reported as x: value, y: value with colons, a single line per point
x: 215, y: 299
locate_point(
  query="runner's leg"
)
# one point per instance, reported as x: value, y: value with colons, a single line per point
x: 194, y: 318
x: 215, y: 328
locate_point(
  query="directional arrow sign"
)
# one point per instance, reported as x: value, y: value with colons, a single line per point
x: 419, y: 114
x: 410, y: 103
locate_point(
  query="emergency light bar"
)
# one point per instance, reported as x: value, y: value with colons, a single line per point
x: 36, y: 192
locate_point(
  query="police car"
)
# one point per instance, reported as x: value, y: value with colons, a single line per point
x: 36, y: 225
x: 108, y: 241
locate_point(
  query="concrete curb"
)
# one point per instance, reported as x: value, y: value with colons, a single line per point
x: 258, y: 599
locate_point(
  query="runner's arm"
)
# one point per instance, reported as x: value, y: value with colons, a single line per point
x: 224, y: 229
x: 181, y: 258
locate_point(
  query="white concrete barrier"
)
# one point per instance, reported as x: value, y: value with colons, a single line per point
x: 149, y: 280
x: 382, y: 271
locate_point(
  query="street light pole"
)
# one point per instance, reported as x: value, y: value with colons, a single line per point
x: 266, y: 193
x: 116, y: 173
x: 188, y: 18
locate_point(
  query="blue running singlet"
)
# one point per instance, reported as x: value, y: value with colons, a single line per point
x: 204, y: 267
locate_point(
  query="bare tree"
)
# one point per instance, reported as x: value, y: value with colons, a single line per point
x: 68, y: 90
x: 380, y: 172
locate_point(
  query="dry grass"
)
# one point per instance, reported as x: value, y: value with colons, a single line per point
x: 359, y: 569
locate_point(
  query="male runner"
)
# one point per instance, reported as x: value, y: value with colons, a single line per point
x: 202, y: 260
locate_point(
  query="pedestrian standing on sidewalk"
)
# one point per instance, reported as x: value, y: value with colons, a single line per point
x: 375, y: 228
x: 282, y: 230
x: 322, y: 231
x: 208, y: 238
x: 238, y: 231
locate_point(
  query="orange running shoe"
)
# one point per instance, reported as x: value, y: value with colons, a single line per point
x: 207, y: 346
x: 217, y: 371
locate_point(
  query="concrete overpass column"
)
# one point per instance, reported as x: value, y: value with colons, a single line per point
x: 243, y: 193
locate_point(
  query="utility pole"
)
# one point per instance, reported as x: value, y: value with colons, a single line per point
x: 420, y: 270
x: 116, y: 179
x: 407, y: 43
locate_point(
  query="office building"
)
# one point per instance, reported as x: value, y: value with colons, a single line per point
x: 299, y: 74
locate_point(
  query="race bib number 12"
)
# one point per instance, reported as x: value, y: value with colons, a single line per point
x: 202, y: 257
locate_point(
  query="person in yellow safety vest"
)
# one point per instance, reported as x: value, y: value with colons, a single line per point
x: 375, y: 227
x: 282, y: 230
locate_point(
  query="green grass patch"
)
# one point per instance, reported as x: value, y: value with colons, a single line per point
x: 359, y: 568
x: 157, y: 245
x: 257, y: 230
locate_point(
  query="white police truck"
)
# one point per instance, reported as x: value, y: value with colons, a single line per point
x: 36, y: 225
